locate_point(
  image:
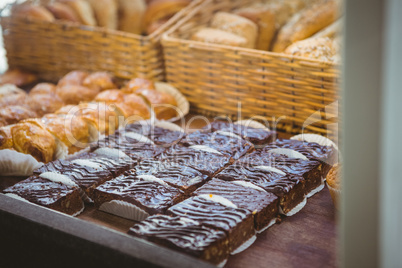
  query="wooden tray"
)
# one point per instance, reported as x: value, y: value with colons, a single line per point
x: 95, y: 238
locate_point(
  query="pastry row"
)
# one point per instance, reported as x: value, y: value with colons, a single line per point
x: 71, y: 128
x: 133, y: 16
x: 205, y: 194
x: 307, y: 28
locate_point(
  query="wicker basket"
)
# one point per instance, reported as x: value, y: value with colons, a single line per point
x: 292, y: 93
x: 54, y: 48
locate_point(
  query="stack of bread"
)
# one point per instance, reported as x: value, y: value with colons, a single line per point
x: 133, y: 16
x: 306, y: 28
x: 55, y: 120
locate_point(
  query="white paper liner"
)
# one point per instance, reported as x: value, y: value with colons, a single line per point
x: 138, y: 137
x: 182, y: 103
x: 244, y: 246
x: 61, y: 150
x: 205, y: 149
x: 124, y: 209
x: 271, y: 169
x: 80, y: 211
x: 222, y: 263
x: 309, y: 137
x: 289, y: 153
x: 249, y: 185
x: 14, y: 163
x: 251, y: 123
x: 272, y: 222
x: 318, y: 189
x: 218, y: 199
x: 17, y: 197
x: 294, y: 210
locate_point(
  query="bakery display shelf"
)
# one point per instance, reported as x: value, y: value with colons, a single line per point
x: 95, y: 238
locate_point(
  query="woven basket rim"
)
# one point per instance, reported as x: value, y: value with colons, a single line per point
x: 167, y: 37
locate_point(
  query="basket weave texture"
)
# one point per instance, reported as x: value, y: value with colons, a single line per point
x: 294, y: 94
x: 52, y: 49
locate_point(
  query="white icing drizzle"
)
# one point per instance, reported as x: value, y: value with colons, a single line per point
x: 151, y: 178
x: 229, y: 134
x: 218, y: 199
x: 248, y: 185
x: 87, y: 163
x: 55, y: 177
x: 105, y: 151
x: 138, y: 137
x: 189, y: 221
x: 17, y: 197
x: 205, y: 149
x: 288, y: 152
x: 271, y: 169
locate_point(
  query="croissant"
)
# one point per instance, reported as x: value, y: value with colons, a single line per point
x: 162, y: 103
x: 11, y: 95
x: 99, y: 80
x: 138, y: 83
x: 13, y: 114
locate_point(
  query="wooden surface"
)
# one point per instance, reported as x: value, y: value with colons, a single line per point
x: 307, y: 239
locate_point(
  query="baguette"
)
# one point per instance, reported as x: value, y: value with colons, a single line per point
x: 32, y: 11
x: 83, y: 10
x: 210, y: 35
x: 63, y: 11
x: 331, y: 31
x: 306, y: 23
x: 105, y: 13
x: 131, y: 13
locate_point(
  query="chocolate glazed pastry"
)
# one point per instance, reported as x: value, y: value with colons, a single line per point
x: 208, y: 163
x: 49, y: 194
x: 327, y: 155
x: 290, y: 190
x: 85, y: 176
x: 149, y: 194
x: 224, y: 142
x: 257, y: 136
x: 262, y: 204
x: 184, y: 235
x: 310, y: 170
x: 186, y: 179
x: 237, y: 223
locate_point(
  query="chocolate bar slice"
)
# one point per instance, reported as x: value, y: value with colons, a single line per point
x: 257, y: 136
x: 184, y: 235
x: 136, y: 197
x: 293, y: 165
x: 133, y: 144
x: 263, y: 205
x: 49, y: 194
x: 218, y: 212
x: 289, y: 189
x: 327, y: 155
x: 183, y: 177
x: 222, y: 141
x: 202, y: 158
x: 84, y: 172
x: 159, y: 135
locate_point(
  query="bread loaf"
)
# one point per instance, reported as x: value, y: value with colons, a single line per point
x: 32, y: 11
x: 331, y: 31
x: 63, y: 11
x: 131, y: 13
x: 235, y: 24
x: 83, y: 10
x: 105, y: 13
x: 306, y: 23
x: 210, y: 35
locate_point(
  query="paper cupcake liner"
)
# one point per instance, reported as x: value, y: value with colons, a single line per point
x: 289, y: 153
x: 272, y: 222
x: 80, y: 211
x: 61, y: 150
x: 222, y: 263
x: 252, y: 123
x: 321, y: 140
x: 14, y: 163
x: 316, y: 190
x: 244, y: 246
x: 182, y: 103
x: 124, y: 209
x: 294, y: 210
x: 335, y: 195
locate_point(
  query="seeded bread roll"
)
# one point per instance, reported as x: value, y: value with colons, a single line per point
x: 236, y: 25
x: 216, y: 36
x: 322, y: 49
x: 83, y: 10
x: 105, y: 13
x: 131, y: 13
x: 306, y: 23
